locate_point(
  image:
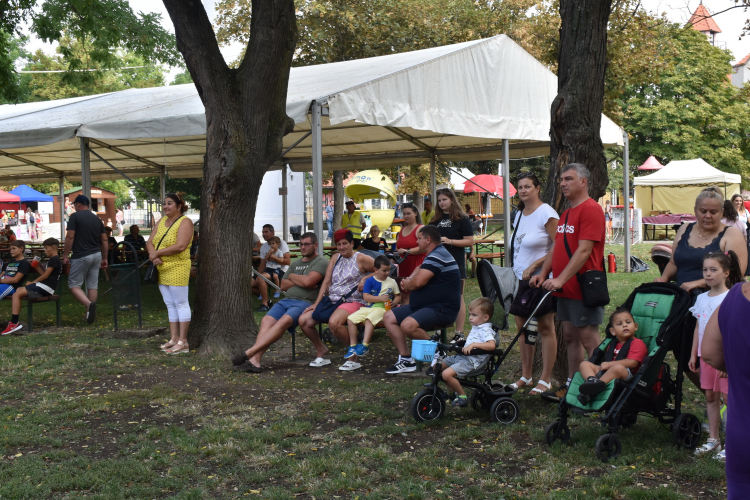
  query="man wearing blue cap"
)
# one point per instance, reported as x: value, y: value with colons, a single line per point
x: 87, y: 240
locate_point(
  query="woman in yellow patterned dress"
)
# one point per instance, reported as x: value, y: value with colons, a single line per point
x: 169, y: 248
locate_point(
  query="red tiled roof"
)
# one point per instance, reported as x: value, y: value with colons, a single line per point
x: 742, y: 61
x: 702, y: 20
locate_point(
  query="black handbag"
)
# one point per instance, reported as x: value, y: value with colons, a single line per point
x: 593, y: 283
x: 326, y: 307
x: 152, y: 273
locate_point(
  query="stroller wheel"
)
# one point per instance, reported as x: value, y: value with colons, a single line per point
x: 608, y: 446
x: 557, y: 430
x: 427, y: 406
x: 479, y: 401
x: 505, y: 411
x: 686, y: 430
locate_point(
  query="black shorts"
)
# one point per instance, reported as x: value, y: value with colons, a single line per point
x: 427, y: 318
x: 278, y: 272
x: 356, y: 243
x: 33, y: 291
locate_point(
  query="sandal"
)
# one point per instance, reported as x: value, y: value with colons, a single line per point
x: 536, y: 390
x: 319, y: 362
x: 166, y: 346
x: 179, y: 348
x: 526, y: 381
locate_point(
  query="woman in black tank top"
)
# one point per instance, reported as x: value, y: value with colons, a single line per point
x: 694, y: 240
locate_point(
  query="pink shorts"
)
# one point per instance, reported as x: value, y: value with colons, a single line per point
x: 350, y: 307
x: 710, y: 379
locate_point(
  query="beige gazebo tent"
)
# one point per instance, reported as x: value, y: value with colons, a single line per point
x: 674, y: 187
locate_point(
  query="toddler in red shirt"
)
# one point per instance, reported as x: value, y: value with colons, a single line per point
x: 621, y: 360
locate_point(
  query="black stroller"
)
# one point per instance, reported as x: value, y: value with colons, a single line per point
x: 661, y: 311
x: 486, y: 395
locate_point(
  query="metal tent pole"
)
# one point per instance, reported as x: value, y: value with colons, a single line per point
x: 61, y: 186
x: 163, y: 187
x: 506, y: 196
x: 284, y: 208
x: 85, y: 168
x: 626, y: 196
x: 317, y: 171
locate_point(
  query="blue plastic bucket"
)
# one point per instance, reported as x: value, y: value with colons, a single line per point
x: 423, y: 350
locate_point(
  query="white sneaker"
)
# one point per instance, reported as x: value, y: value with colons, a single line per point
x: 722, y: 455
x: 712, y: 445
x: 350, y: 366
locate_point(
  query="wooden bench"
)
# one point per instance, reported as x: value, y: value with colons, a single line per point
x: 491, y: 256
x: 31, y: 301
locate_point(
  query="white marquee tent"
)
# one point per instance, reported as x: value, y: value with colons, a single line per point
x: 675, y: 187
x: 483, y: 99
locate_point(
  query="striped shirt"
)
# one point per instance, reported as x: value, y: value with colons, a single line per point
x: 443, y: 291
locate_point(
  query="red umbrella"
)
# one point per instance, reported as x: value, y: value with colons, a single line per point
x: 651, y: 164
x: 487, y: 183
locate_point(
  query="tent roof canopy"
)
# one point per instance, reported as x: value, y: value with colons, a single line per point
x: 457, y: 102
x: 28, y: 194
x: 682, y: 172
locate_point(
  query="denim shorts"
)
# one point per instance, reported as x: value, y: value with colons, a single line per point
x: 85, y: 268
x: 427, y: 318
x: 290, y: 307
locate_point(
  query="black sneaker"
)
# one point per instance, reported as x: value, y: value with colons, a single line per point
x: 91, y: 313
x: 402, y: 367
x: 555, y: 395
x: 584, y: 399
x: 263, y: 308
x: 238, y: 359
x: 592, y: 386
x: 459, y: 337
x: 460, y: 402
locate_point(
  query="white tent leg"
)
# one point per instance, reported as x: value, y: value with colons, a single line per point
x: 317, y: 171
x: 626, y: 195
x: 433, y: 185
x: 506, y: 198
x: 61, y: 186
x: 284, y: 209
x: 86, y: 168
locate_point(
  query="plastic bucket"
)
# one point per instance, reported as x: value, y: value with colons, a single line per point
x: 395, y: 229
x: 423, y: 350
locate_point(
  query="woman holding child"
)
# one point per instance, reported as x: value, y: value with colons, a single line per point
x: 406, y: 245
x: 534, y: 231
x: 169, y: 249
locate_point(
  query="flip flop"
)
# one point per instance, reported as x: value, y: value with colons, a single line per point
x: 319, y: 362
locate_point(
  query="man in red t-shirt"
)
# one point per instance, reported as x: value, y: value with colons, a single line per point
x: 583, y: 226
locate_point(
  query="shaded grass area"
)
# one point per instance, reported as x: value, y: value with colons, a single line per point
x: 83, y: 414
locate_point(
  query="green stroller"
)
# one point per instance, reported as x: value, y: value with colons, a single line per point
x: 662, y: 313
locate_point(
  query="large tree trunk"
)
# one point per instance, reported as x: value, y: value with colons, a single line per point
x: 576, y: 112
x: 245, y: 123
x: 339, y: 198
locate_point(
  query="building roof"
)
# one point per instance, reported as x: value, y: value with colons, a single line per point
x: 742, y: 61
x: 702, y: 20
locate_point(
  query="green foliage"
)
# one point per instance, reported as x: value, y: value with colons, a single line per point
x: 181, y: 78
x: 100, y: 28
x: 190, y: 188
x: 693, y: 111
x: 120, y: 187
x: 48, y: 86
x: 15, y: 55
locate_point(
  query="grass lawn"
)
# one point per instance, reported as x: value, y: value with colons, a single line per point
x: 87, y: 415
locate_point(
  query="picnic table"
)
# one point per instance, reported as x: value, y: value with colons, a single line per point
x: 667, y: 220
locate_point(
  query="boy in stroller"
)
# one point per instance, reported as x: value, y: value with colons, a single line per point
x: 482, y: 336
x: 621, y: 359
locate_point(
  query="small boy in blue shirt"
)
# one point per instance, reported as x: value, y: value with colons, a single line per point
x: 381, y: 293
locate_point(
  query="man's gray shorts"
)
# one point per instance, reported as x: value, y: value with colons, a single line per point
x: 85, y: 268
x: 460, y: 364
x: 579, y: 315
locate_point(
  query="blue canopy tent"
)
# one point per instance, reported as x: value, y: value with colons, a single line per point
x: 27, y: 194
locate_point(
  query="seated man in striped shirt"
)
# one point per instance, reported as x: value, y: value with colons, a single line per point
x: 435, y: 288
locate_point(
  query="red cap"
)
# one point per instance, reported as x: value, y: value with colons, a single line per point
x: 340, y: 235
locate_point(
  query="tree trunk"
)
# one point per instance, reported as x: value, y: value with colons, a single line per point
x: 339, y: 198
x: 416, y: 196
x: 245, y: 123
x: 576, y: 112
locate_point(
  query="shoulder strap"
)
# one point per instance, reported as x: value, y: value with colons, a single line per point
x: 624, y: 351
x: 513, y: 239
x: 565, y: 235
x: 167, y: 231
x: 610, y: 354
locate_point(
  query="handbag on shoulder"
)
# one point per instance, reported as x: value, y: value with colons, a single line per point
x: 593, y: 282
x: 152, y: 273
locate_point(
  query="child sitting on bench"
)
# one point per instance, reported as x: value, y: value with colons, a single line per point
x: 44, y: 286
x: 621, y: 360
x: 381, y: 293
